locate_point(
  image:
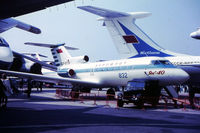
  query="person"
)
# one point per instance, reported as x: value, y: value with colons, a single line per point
x: 40, y: 85
x: 13, y: 84
x: 1, y: 93
x: 7, y: 84
x: 3, y: 96
x: 21, y: 84
x: 29, y: 88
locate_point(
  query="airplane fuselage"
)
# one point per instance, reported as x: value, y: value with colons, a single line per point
x: 119, y: 72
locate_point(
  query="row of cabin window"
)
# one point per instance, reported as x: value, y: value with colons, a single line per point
x: 181, y: 63
x: 107, y: 64
x: 108, y: 69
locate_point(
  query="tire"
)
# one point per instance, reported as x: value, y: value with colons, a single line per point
x: 155, y: 101
x: 120, y: 103
x: 139, y: 103
x: 110, y: 94
x: 74, y: 94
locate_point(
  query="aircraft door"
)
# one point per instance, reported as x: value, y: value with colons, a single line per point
x: 92, y: 71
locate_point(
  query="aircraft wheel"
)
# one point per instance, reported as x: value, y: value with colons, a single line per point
x: 155, y: 101
x: 120, y: 103
x: 139, y: 103
x: 75, y: 94
x: 110, y: 94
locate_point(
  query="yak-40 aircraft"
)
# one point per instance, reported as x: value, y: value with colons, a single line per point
x: 132, y: 42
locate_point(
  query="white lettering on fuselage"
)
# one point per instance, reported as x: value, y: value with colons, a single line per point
x: 149, y: 52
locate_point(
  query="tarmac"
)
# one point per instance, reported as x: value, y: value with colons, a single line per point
x: 45, y: 112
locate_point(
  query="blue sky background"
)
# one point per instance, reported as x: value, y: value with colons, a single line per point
x: 170, y: 25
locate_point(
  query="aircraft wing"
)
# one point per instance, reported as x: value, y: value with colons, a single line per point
x: 43, y: 64
x: 6, y: 24
x: 13, y: 8
x: 49, y: 79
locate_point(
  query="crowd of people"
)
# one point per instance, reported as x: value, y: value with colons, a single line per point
x: 9, y: 87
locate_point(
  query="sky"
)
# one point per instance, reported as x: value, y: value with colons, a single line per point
x: 169, y: 26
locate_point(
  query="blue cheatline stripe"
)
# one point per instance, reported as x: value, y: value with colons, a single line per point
x: 142, y: 47
x: 120, y: 68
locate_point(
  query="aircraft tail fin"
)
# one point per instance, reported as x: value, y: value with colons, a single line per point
x: 59, y: 52
x: 128, y: 38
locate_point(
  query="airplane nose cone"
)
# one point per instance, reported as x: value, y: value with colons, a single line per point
x: 193, y: 34
x: 181, y: 76
x: 6, y: 57
x: 6, y: 54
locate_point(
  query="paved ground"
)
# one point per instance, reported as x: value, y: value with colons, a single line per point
x: 43, y: 112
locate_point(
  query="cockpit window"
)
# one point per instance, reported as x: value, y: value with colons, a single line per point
x: 3, y: 42
x: 165, y: 62
x: 159, y: 62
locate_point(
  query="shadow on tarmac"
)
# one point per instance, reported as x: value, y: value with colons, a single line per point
x: 24, y: 116
x: 32, y: 121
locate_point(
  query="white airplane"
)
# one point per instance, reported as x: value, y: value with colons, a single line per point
x: 84, y: 75
x: 11, y: 60
x: 132, y: 42
x: 8, y: 58
x: 195, y: 34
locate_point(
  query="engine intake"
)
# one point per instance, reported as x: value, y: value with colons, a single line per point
x: 66, y: 72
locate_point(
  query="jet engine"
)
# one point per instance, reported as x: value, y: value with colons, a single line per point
x: 66, y: 72
x: 78, y: 59
x: 20, y: 64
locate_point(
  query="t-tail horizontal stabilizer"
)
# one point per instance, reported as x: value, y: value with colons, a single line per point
x: 59, y: 52
x: 51, y: 45
x: 128, y: 38
x: 113, y: 14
